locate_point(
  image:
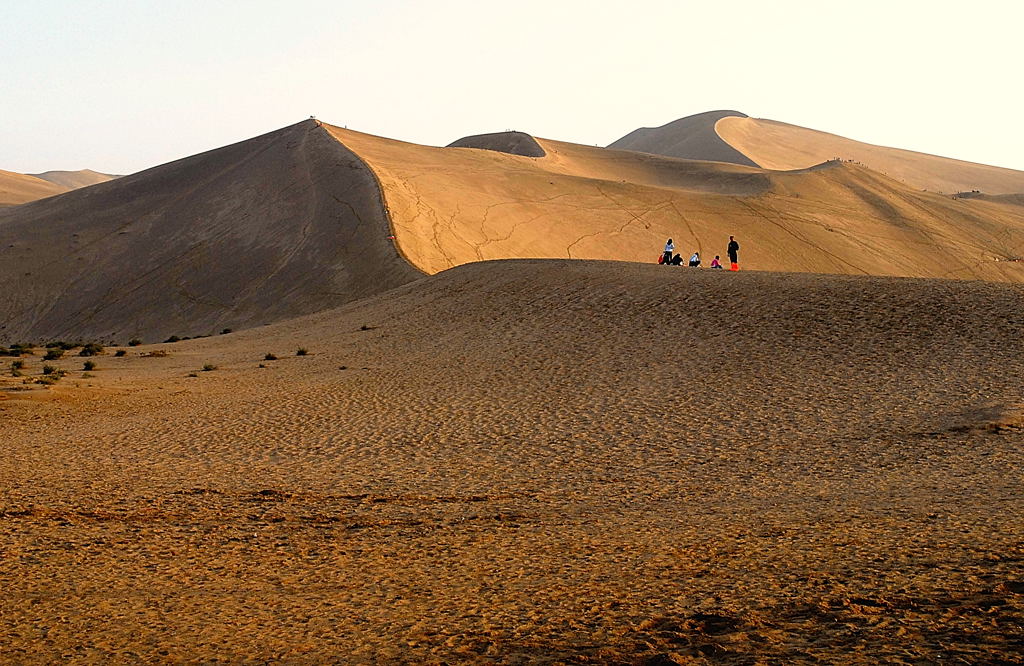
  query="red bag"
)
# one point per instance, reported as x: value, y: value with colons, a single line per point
x: 661, y: 259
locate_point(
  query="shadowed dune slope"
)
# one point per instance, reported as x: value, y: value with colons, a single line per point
x: 450, y: 207
x: 539, y: 461
x: 19, y: 188
x: 776, y: 145
x: 73, y: 180
x: 277, y: 226
x: 514, y: 143
x: 691, y: 138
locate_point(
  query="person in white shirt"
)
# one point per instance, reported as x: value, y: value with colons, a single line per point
x: 669, y: 249
x: 695, y: 260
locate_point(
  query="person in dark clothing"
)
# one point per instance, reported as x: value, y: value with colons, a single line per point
x: 733, y: 252
x: 677, y: 260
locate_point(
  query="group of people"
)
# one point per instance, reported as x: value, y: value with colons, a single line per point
x: 668, y: 259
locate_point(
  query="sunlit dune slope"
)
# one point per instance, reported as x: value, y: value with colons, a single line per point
x: 775, y: 145
x: 18, y: 188
x: 538, y: 461
x: 451, y: 206
x: 270, y: 228
x: 73, y: 180
x: 691, y: 138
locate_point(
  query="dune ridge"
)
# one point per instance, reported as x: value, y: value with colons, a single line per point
x: 452, y: 207
x: 284, y: 224
x: 776, y: 145
x: 691, y: 138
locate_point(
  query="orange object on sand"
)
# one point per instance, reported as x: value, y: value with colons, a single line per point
x: 734, y: 266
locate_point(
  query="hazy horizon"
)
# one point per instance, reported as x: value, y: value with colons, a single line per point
x: 116, y: 88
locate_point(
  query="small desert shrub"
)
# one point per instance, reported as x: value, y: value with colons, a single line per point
x: 53, y: 354
x: 192, y: 374
x: 89, y: 365
x: 173, y: 338
x: 62, y: 345
x: 342, y: 367
x: 49, y: 369
x: 134, y: 342
x: 156, y: 353
x: 208, y: 367
x: 91, y: 349
x: 225, y: 331
x: 17, y: 365
x: 364, y: 327
x: 302, y: 352
x: 262, y: 365
x: 86, y: 375
x: 120, y: 352
x: 269, y: 357
x: 20, y: 349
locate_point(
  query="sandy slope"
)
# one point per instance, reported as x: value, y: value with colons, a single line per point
x: 18, y: 188
x: 775, y: 145
x: 450, y: 206
x: 581, y: 462
x: 692, y: 138
x: 73, y: 180
x: 270, y: 228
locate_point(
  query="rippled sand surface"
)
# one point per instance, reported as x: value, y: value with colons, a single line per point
x: 536, y: 462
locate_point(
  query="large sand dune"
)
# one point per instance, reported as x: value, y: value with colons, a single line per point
x: 18, y: 188
x: 299, y: 220
x: 281, y: 225
x: 536, y: 461
x: 451, y: 206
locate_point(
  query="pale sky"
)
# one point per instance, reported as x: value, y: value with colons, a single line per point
x: 122, y: 85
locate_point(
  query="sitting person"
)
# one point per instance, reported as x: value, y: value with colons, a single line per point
x: 677, y: 260
x: 716, y: 262
x: 695, y: 260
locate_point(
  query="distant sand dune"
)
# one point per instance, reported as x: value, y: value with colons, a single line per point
x: 18, y: 188
x: 73, y: 180
x: 776, y: 145
x: 691, y: 138
x: 514, y: 143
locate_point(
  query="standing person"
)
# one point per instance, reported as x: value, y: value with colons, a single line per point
x: 733, y: 253
x: 669, y: 249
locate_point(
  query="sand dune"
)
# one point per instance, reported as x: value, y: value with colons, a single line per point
x: 266, y: 229
x: 299, y: 220
x: 730, y: 136
x: 450, y: 207
x: 691, y: 138
x: 73, y: 180
x: 514, y: 143
x: 18, y: 188
x: 536, y: 461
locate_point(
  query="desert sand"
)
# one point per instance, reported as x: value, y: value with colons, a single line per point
x: 775, y: 145
x: 691, y: 138
x: 451, y: 206
x: 536, y: 462
x: 74, y: 180
x: 734, y: 137
x: 432, y: 421
x: 18, y: 188
x: 313, y: 216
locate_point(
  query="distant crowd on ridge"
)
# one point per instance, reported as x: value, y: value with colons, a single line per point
x: 668, y: 259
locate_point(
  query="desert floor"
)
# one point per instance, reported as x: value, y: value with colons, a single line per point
x: 536, y: 461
